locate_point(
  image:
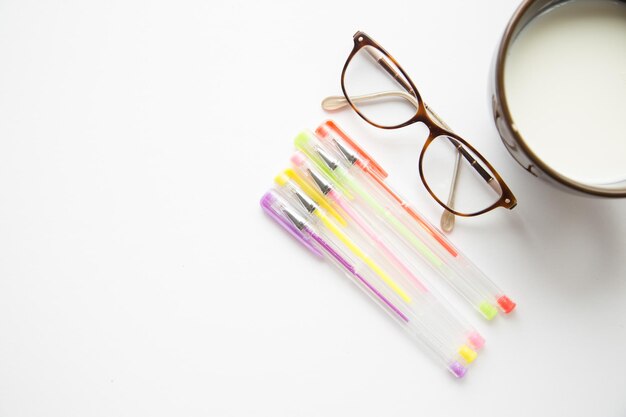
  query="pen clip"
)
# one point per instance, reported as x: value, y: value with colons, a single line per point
x: 268, y: 203
x: 329, y: 128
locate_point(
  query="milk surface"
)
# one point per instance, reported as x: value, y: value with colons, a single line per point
x: 565, y: 82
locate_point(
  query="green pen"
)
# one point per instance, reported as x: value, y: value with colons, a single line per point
x: 342, y: 177
x: 305, y: 142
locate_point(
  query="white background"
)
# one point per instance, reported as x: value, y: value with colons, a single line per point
x: 138, y: 275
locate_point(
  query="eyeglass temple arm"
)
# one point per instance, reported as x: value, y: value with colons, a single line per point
x: 382, y: 61
x: 332, y: 103
x: 447, y: 217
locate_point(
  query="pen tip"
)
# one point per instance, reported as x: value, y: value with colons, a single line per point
x: 345, y: 152
x: 294, y: 219
x: 321, y: 184
x: 327, y: 159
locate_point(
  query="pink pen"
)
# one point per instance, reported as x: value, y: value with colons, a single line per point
x: 305, y: 170
x: 299, y: 160
x: 289, y: 218
x: 293, y: 184
x: 330, y: 133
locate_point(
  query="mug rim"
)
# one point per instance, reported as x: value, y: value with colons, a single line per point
x: 518, y: 21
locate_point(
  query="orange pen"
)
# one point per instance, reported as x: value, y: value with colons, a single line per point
x: 368, y: 165
x: 330, y: 133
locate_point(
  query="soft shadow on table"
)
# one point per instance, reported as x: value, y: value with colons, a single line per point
x: 564, y: 240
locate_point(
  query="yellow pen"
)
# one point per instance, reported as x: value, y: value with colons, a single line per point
x: 423, y: 327
x: 314, y: 195
x: 312, y: 207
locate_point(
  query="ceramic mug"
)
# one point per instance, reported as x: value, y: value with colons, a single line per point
x: 558, y: 92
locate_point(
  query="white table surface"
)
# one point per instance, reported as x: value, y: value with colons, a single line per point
x: 138, y: 275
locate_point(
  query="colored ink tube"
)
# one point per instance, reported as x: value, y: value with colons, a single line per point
x: 445, y: 321
x: 359, y: 160
x: 292, y: 219
x: 367, y: 196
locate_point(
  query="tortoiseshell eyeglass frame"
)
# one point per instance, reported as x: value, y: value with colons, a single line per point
x: 435, y: 125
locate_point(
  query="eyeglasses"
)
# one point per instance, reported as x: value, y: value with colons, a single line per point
x: 455, y: 174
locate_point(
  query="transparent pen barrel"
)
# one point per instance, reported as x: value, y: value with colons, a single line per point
x: 391, y: 266
x: 460, y: 274
x: 422, y: 324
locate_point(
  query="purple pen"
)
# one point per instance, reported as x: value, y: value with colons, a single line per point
x: 289, y: 218
x: 290, y: 225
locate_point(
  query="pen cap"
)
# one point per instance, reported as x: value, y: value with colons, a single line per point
x: 328, y: 131
x: 274, y: 206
